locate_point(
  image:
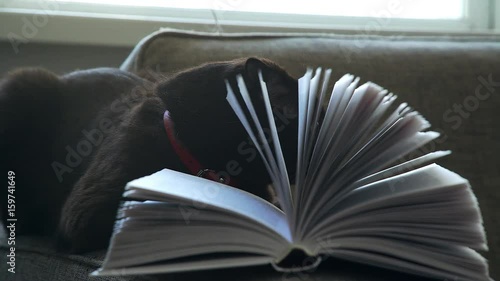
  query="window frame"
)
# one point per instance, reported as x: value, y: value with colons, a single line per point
x: 82, y: 23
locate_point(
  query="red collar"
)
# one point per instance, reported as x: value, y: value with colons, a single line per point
x: 187, y: 158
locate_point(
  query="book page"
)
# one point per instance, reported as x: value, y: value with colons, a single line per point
x: 192, y: 217
x: 190, y: 264
x: 430, y: 179
x: 352, y: 154
x: 318, y: 115
x: 401, y: 168
x: 433, y: 261
x: 145, y: 239
x: 339, y: 100
x: 427, y: 218
x: 311, y: 98
x: 372, y: 163
x: 173, y: 186
x: 351, y: 197
x: 280, y: 160
x: 303, y: 98
x: 273, y: 159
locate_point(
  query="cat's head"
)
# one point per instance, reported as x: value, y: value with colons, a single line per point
x: 207, y: 125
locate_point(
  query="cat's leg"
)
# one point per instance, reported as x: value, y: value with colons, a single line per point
x: 138, y: 148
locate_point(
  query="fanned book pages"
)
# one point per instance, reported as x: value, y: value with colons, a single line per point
x: 354, y: 197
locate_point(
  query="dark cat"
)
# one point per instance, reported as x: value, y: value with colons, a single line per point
x: 75, y: 141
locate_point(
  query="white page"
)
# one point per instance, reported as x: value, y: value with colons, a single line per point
x: 447, y: 214
x: 151, y: 231
x: 176, y: 186
x: 303, y: 86
x: 153, y: 213
x: 317, y: 122
x: 341, y: 95
x: 311, y: 106
x: 188, y: 265
x: 366, y: 115
x: 398, y: 140
x: 368, y: 130
x: 387, y: 173
x: 373, y: 162
x: 139, y: 243
x: 348, y: 116
x: 426, y: 180
x: 315, y: 109
x: 397, y: 255
x: 233, y: 102
x: 398, y: 169
x: 309, y: 137
x: 260, y: 131
x: 347, y: 132
x: 402, y: 137
x: 331, y: 129
x: 329, y: 122
x: 275, y: 161
x: 284, y: 189
x: 318, y: 111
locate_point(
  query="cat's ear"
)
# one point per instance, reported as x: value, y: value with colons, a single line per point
x: 282, y: 87
x: 254, y: 65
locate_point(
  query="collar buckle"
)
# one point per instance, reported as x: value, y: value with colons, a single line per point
x: 212, y: 175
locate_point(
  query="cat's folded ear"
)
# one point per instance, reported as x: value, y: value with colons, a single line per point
x: 269, y: 69
x: 282, y: 87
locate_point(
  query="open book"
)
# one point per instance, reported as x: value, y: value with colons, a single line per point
x: 357, y: 196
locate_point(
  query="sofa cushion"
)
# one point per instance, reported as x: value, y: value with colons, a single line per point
x: 36, y: 260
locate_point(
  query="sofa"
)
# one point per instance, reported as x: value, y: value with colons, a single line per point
x: 454, y: 81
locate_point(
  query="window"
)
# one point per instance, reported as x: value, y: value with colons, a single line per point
x: 423, y: 9
x: 129, y: 20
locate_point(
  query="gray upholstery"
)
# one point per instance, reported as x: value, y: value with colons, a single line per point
x: 36, y: 260
x: 431, y: 73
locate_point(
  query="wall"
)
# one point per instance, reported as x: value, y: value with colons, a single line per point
x: 60, y: 58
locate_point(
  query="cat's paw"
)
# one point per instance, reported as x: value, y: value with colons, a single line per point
x: 82, y: 229
x: 72, y: 234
